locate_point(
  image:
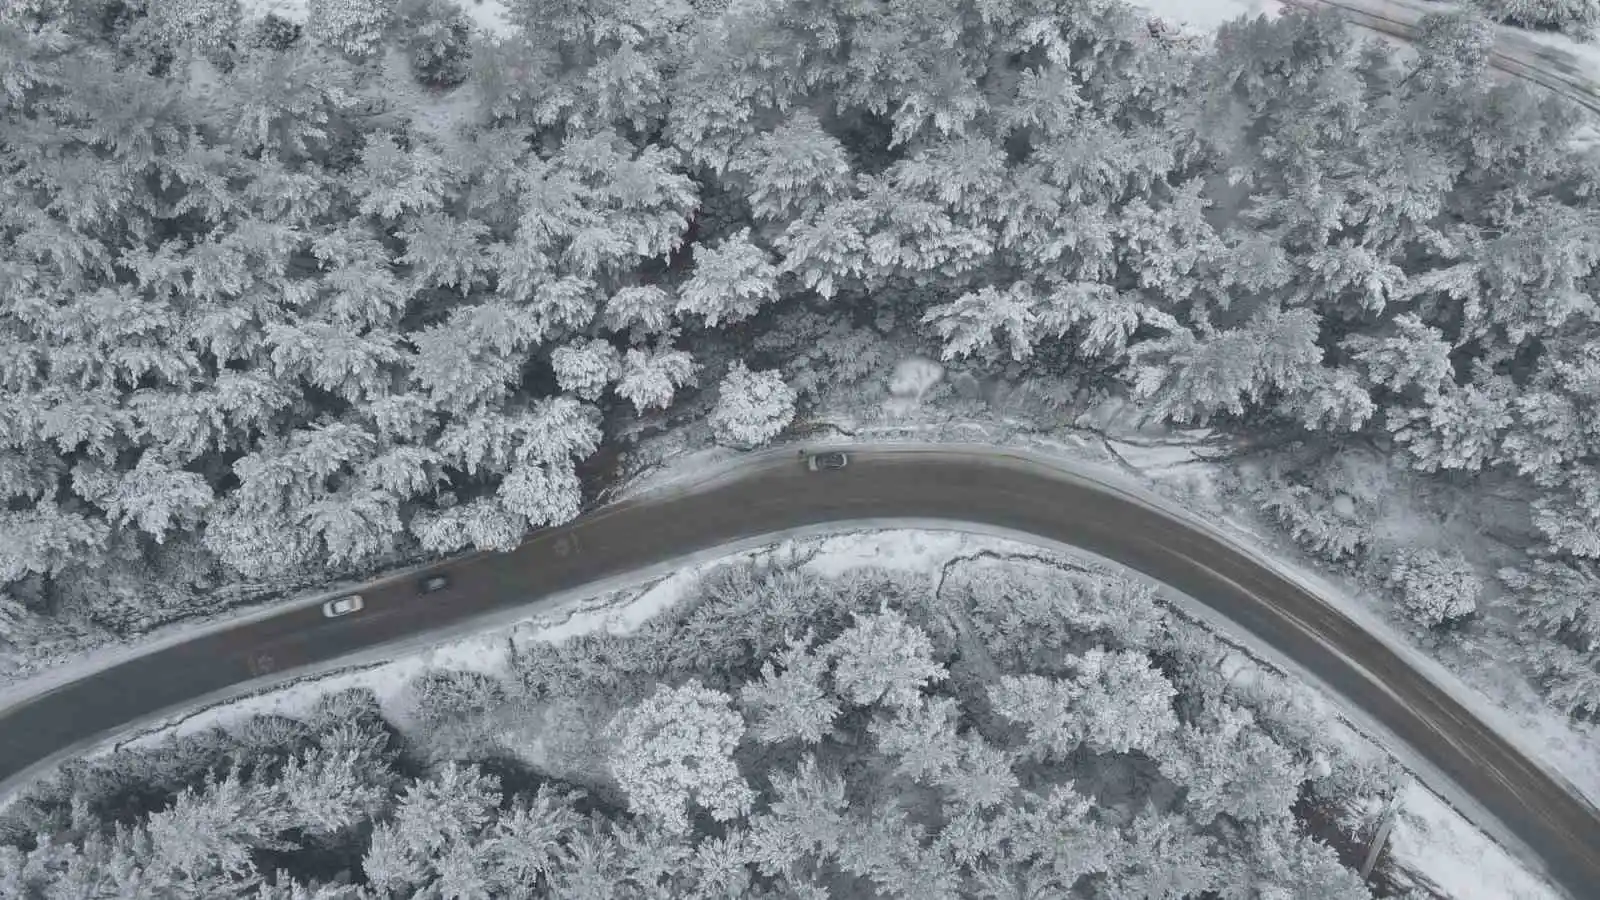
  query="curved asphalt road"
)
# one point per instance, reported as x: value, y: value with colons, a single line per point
x: 772, y: 492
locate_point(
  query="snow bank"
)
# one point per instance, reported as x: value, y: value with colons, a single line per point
x: 1206, y: 15
x: 488, y: 15
x: 1434, y: 841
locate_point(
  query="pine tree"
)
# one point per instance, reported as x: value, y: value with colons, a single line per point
x: 1100, y: 319
x: 791, y: 704
x: 103, y: 866
x: 1434, y: 587
x: 825, y: 250
x: 1231, y: 767
x: 1162, y: 858
x: 651, y: 378
x: 752, y: 407
x: 921, y: 738
x: 435, y: 816
x: 475, y: 358
x: 1569, y: 679
x: 983, y: 778
x: 882, y: 658
x: 793, y: 170
x: 46, y: 540
x: 444, y: 251
x: 586, y: 368
x: 543, y: 494
x: 1567, y: 513
x: 326, y: 794
x: 676, y: 748
x: 1115, y: 702
x: 482, y: 524
x: 1453, y: 49
x: 354, y: 27
x: 975, y: 323
x: 730, y: 282
x: 918, y: 237
x: 884, y: 844
x: 644, y: 308
x: 1556, y: 421
x: 1456, y: 429
x: 392, y: 181
x: 212, y: 832
x: 1198, y: 377
x: 287, y: 104
x: 437, y: 42
x: 804, y: 820
x: 1042, y: 846
x: 1558, y: 597
x: 525, y: 846
x: 328, y: 356
x: 1413, y: 360
x: 353, y: 525
x: 1573, y: 16
x: 1283, y: 866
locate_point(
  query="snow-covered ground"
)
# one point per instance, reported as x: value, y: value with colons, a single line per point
x: 488, y: 15
x: 1432, y: 840
x: 1206, y: 15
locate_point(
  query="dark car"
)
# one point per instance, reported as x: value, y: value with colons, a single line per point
x: 434, y: 583
x: 823, y: 461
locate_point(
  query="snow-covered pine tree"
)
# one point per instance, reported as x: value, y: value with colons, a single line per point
x: 752, y: 407
x: 676, y: 748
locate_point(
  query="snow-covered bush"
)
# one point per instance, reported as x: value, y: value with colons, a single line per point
x: 1434, y: 587
x: 441, y: 694
x: 353, y: 27
x: 752, y: 407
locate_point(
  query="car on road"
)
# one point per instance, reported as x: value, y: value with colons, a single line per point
x: 824, y: 461
x: 433, y: 583
x: 342, y: 606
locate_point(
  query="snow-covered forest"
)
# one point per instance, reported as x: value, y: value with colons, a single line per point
x: 266, y: 309
x: 1576, y: 17
x: 1001, y: 730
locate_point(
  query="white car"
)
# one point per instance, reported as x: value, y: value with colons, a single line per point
x: 343, y: 606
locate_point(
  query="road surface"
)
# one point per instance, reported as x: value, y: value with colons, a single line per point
x: 772, y: 492
x: 1515, y: 53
